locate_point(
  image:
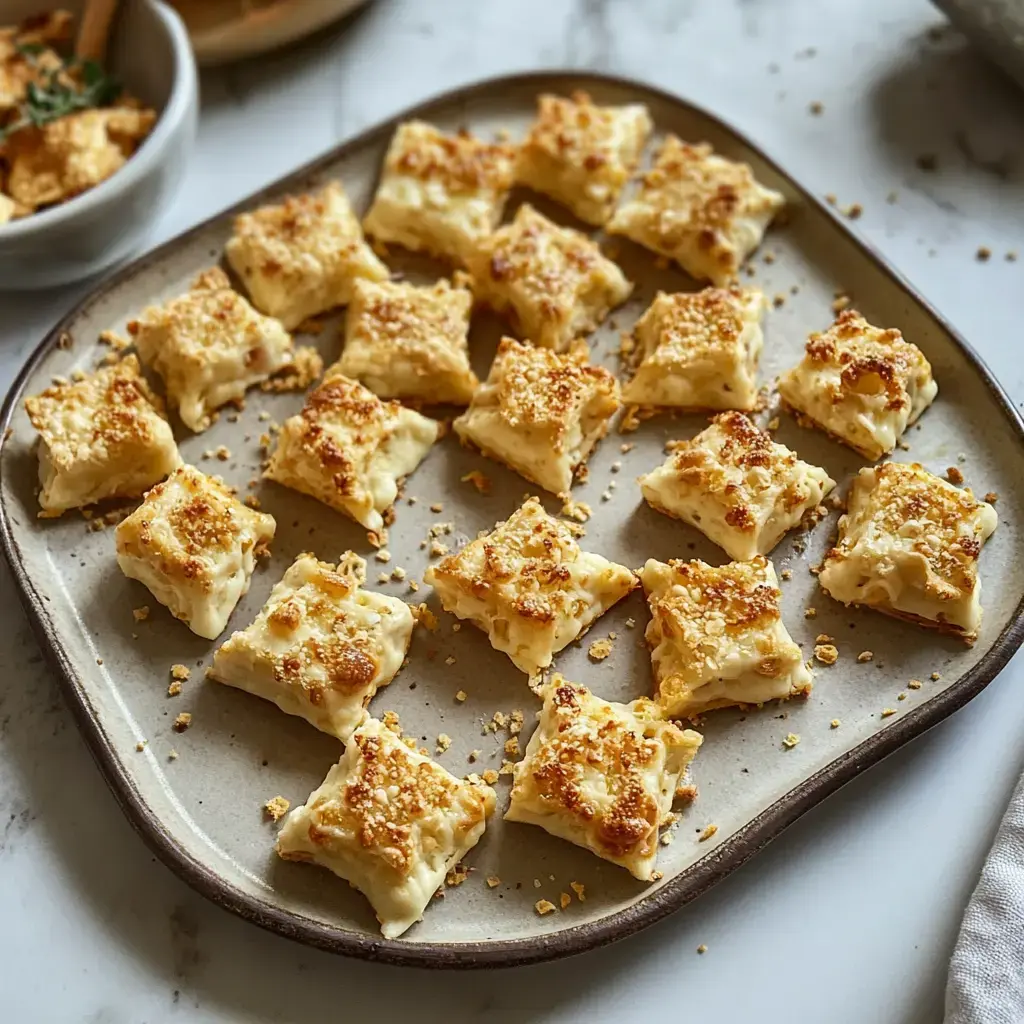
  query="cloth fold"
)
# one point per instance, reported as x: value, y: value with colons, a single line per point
x: 986, y: 974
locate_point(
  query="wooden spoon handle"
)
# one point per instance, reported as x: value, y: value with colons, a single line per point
x: 94, y: 31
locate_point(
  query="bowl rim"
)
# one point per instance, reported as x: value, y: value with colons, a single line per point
x: 183, y: 94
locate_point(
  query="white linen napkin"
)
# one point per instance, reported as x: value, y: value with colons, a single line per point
x: 986, y: 974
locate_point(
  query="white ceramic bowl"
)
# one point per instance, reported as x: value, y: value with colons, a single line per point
x: 151, y: 55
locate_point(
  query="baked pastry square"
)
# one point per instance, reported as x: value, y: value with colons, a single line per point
x: 438, y: 193
x: 698, y: 350
x: 209, y: 346
x: 717, y: 638
x: 602, y: 775
x: 741, y: 489
x: 864, y: 385
x: 301, y: 256
x: 553, y: 280
x: 402, y: 341
x: 909, y: 546
x: 541, y: 413
x: 322, y: 646
x: 389, y: 821
x: 695, y: 207
x: 350, y: 450
x: 582, y: 154
x: 194, y: 545
x: 529, y: 586
x: 103, y: 436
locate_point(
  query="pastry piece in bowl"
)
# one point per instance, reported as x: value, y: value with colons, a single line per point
x: 602, y: 775
x: 541, y: 413
x: 717, y: 637
x: 736, y: 485
x: 909, y: 546
x: 194, y: 545
x: 102, y: 435
x: 322, y: 646
x: 389, y: 821
x: 529, y: 586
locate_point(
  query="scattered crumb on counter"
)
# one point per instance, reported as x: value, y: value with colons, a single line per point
x: 600, y: 649
x: 853, y: 211
x: 180, y: 672
x: 564, y: 899
x: 991, y: 497
x: 479, y: 480
x: 544, y: 907
x: 183, y: 721
x: 790, y: 740
x: 424, y: 616
x: 983, y: 254
x: 708, y: 832
x: 834, y: 724
x: 865, y: 656
x: 914, y: 684
x: 141, y: 745
x: 886, y: 712
x: 935, y: 677
x: 490, y: 776
x: 461, y: 696
x: 174, y: 688
x: 810, y: 613
x: 954, y: 476
x: 493, y: 881
x: 580, y: 889
x: 702, y: 949
x: 444, y: 741
x: 276, y: 807
x: 141, y: 614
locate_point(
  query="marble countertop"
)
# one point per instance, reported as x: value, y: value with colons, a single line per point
x: 852, y: 914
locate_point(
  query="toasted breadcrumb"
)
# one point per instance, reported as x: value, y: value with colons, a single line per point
x: 826, y: 654
x: 886, y: 712
x: 708, y: 832
x: 810, y: 613
x: 512, y: 746
x: 172, y: 754
x: 914, y: 684
x: 180, y: 672
x: 702, y: 948
x: 493, y: 881
x: 183, y: 721
x: 580, y: 889
x: 479, y: 480
x: 141, y: 614
x: 790, y: 740
x: 991, y: 497
x: 461, y: 696
x: 600, y: 649
x: 174, y: 688
x: 564, y: 899
x: 901, y: 696
x: 954, y: 476
x: 935, y: 677
x: 544, y: 907
x: 424, y: 616
x: 457, y: 875
x: 983, y: 254
x: 865, y: 656
x: 578, y: 510
x: 141, y: 745
x: 473, y: 755
x: 437, y: 507
x: 834, y: 724
x: 276, y: 807
x: 444, y: 741
x: 490, y: 776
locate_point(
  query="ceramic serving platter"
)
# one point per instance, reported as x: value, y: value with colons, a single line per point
x: 202, y: 810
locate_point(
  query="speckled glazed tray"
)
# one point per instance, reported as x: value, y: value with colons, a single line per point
x: 202, y: 812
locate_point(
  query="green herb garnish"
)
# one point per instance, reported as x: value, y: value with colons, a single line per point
x: 73, y: 86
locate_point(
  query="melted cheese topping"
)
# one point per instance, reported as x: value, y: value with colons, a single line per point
x: 322, y: 646
x: 194, y: 545
x: 103, y: 436
x: 209, y: 345
x: 717, y: 637
x: 389, y: 821
x: 705, y: 212
x: 554, y: 280
x: 541, y: 413
x: 528, y: 586
x: 909, y: 546
x: 862, y: 384
x: 737, y: 486
x: 300, y: 257
x: 602, y: 775
x: 70, y: 155
x: 402, y: 341
x: 350, y: 450
x: 582, y: 154
x: 699, y: 350
x: 440, y: 193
